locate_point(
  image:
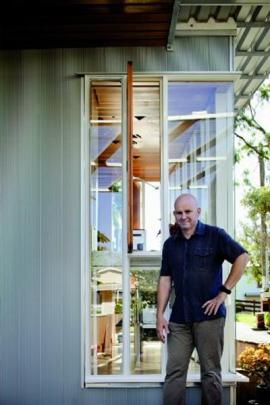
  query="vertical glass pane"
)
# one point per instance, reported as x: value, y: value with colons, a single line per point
x: 200, y: 124
x: 146, y: 167
x: 106, y: 213
x: 145, y: 348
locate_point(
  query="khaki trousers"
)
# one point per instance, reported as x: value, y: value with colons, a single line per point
x: 207, y: 337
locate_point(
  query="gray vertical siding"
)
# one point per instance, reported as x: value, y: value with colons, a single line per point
x: 40, y: 215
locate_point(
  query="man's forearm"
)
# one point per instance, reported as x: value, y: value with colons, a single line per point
x: 211, y: 306
x: 237, y: 271
x: 163, y: 294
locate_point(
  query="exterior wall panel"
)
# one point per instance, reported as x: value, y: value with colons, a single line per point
x: 40, y: 215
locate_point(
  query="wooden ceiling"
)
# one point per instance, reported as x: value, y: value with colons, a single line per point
x: 106, y: 116
x: 85, y: 23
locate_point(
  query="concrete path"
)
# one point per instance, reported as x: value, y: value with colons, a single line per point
x: 245, y: 334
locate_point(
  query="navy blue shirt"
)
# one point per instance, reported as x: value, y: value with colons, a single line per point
x: 195, y: 266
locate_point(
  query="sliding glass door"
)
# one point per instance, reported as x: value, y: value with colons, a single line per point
x: 181, y: 142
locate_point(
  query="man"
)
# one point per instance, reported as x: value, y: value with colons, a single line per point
x: 192, y: 260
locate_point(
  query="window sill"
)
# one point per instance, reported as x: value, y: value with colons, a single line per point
x: 193, y: 379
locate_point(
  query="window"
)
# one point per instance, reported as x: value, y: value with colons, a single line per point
x: 200, y: 124
x: 181, y: 142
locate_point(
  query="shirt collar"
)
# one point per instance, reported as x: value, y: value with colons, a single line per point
x: 200, y: 230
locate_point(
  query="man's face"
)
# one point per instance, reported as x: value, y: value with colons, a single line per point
x: 186, y: 213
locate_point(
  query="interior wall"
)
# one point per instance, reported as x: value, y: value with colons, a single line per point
x: 40, y: 114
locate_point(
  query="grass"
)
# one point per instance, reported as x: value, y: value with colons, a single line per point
x: 246, y: 317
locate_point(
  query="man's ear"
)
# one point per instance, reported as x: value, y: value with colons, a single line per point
x: 199, y: 211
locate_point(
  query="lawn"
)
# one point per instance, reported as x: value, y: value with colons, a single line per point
x: 246, y: 317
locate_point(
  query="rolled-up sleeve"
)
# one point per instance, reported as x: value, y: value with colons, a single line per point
x: 229, y: 249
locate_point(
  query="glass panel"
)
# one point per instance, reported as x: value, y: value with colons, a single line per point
x: 146, y: 167
x: 200, y: 124
x: 106, y: 213
x: 145, y: 348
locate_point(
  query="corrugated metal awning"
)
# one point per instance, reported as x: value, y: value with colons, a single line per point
x: 252, y: 37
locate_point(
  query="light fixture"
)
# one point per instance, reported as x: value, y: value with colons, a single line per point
x: 175, y: 188
x: 199, y: 112
x: 195, y: 186
x: 113, y: 164
x: 210, y: 158
x: 181, y: 160
x: 101, y: 190
x: 139, y: 117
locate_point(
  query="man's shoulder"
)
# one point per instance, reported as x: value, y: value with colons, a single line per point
x: 169, y: 240
x: 211, y: 228
x: 214, y: 231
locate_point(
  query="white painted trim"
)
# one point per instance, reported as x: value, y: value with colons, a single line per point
x: 231, y: 230
x: 125, y: 261
x: 87, y: 228
x: 109, y: 380
x: 82, y: 233
x: 164, y: 160
x: 84, y: 228
x: 200, y: 116
x: 164, y: 181
x: 192, y: 378
x: 196, y: 76
x: 105, y: 121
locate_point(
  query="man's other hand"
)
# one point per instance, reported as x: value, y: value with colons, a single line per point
x: 162, y: 328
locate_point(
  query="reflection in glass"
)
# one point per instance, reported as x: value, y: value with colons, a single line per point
x: 106, y: 166
x: 200, y: 121
x: 106, y: 320
x: 106, y: 212
x: 145, y: 347
x: 146, y: 167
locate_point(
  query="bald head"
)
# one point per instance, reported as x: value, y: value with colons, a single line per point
x: 188, y: 197
x: 187, y: 212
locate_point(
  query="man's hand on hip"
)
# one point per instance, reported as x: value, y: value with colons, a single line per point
x: 211, y: 307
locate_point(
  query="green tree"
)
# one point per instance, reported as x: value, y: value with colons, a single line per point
x: 255, y: 140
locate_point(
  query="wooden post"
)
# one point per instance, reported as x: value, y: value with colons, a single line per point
x: 130, y: 154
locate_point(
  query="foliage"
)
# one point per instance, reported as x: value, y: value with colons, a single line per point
x: 254, y: 140
x: 258, y: 201
x: 251, y: 240
x: 257, y: 363
x: 118, y: 309
x: 264, y: 91
x: 267, y: 319
x: 102, y: 238
x: 116, y: 187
